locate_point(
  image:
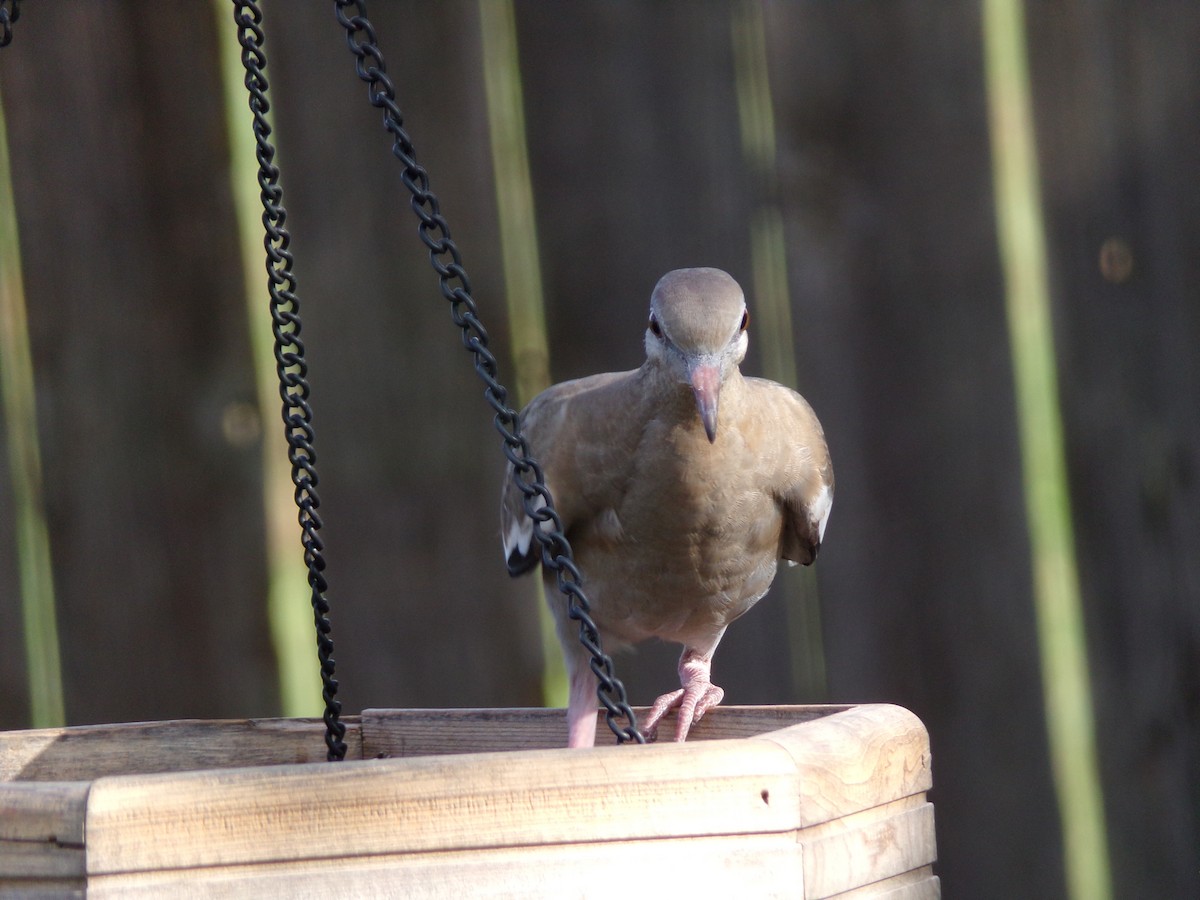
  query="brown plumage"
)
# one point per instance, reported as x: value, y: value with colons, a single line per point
x: 680, y: 485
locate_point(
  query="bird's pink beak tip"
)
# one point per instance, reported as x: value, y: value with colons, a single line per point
x: 706, y: 385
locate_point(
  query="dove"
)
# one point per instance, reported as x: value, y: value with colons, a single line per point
x: 680, y: 485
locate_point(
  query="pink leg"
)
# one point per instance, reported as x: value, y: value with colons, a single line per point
x: 581, y: 709
x: 697, y: 696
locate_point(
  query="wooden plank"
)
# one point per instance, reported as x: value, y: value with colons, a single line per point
x: 41, y: 832
x: 389, y: 733
x: 93, y: 751
x: 21, y: 860
x: 868, y: 847
x: 38, y: 812
x: 919, y: 884
x: 440, y: 803
x: 41, y: 889
x: 431, y: 732
x: 830, y: 783
x: 856, y: 759
x: 759, y: 866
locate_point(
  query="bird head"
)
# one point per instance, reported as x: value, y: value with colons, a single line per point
x: 697, y: 334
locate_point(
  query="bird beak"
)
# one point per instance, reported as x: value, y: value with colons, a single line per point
x: 706, y: 385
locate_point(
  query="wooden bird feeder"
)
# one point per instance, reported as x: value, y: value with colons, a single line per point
x: 775, y: 801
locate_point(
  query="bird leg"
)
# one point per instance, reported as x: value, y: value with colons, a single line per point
x: 581, y: 708
x: 697, y: 696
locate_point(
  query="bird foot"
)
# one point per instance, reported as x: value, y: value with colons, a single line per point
x: 692, y: 702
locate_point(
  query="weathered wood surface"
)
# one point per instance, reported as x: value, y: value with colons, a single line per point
x: 758, y: 866
x: 866, y: 847
x: 713, y: 868
x: 832, y: 802
x: 425, y: 804
x: 424, y: 732
x: 42, y: 832
x: 919, y: 884
x: 88, y: 752
x: 857, y: 759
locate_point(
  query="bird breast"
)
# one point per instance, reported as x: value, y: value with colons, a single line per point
x: 687, y: 544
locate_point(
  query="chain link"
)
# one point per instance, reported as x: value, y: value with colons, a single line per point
x: 446, y: 260
x: 10, y: 11
x: 290, y: 363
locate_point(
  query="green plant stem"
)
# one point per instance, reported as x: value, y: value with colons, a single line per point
x: 772, y: 312
x: 39, y: 620
x: 519, y: 253
x: 288, y: 594
x: 1061, y: 635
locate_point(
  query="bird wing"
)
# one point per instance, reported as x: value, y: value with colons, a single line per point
x: 804, y: 474
x: 556, y: 424
x: 521, y: 552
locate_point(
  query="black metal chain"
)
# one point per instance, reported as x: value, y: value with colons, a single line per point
x: 446, y: 260
x: 10, y: 11
x: 290, y: 363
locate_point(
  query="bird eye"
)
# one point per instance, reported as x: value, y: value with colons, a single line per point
x: 745, y: 321
x: 655, y: 328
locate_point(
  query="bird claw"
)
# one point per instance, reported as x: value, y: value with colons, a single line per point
x: 692, y: 702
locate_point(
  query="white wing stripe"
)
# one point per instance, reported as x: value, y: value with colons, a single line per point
x: 820, y: 508
x: 520, y: 532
